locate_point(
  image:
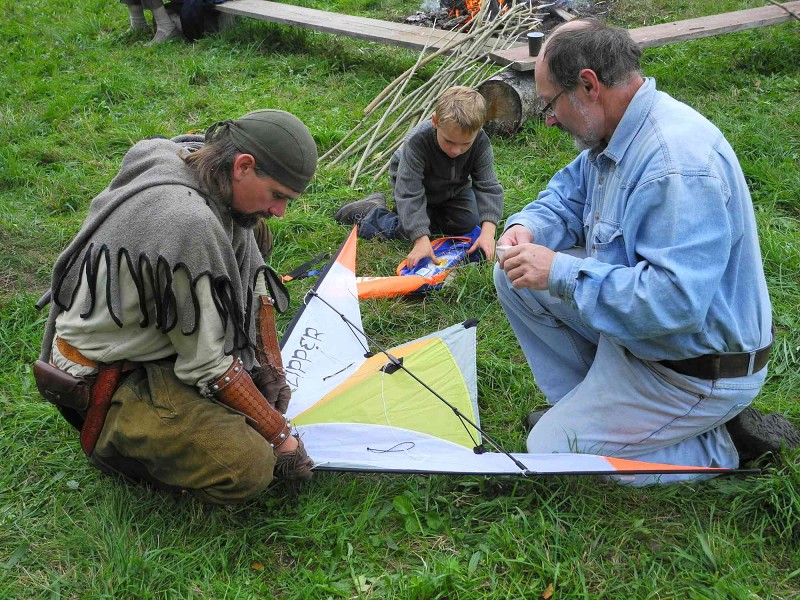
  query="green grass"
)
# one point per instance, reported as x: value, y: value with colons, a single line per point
x: 76, y: 92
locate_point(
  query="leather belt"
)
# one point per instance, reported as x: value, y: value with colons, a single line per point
x: 721, y: 366
x: 96, y: 391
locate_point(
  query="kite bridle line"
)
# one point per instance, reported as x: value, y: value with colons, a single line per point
x: 399, y: 365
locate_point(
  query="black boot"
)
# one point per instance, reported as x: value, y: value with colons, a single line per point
x: 354, y: 212
x: 755, y: 434
x: 533, y: 418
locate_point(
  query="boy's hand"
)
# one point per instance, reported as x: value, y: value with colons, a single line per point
x: 422, y: 249
x: 485, y: 240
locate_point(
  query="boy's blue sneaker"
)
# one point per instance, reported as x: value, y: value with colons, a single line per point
x: 354, y: 212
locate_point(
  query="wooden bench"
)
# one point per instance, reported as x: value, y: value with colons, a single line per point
x: 419, y: 38
x: 679, y: 31
x: 363, y: 28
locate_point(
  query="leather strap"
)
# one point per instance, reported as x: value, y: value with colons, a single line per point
x: 106, y: 383
x: 236, y: 389
x: 722, y: 366
x: 268, y: 351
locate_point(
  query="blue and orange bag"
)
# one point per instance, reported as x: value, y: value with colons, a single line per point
x: 426, y: 276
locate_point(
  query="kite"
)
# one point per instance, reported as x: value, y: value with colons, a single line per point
x: 412, y: 408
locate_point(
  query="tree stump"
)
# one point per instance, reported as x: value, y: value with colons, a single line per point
x: 510, y: 101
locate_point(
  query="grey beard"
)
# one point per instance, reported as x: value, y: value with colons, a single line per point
x: 582, y: 144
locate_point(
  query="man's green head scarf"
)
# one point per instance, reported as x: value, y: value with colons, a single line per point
x: 281, y: 144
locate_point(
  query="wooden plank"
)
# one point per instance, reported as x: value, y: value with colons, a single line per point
x: 691, y: 29
x: 670, y: 33
x: 374, y: 30
x: 562, y: 14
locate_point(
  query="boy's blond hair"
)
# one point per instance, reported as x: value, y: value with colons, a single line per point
x: 461, y: 106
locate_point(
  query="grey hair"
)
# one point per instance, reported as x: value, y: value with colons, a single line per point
x: 213, y: 165
x: 591, y: 44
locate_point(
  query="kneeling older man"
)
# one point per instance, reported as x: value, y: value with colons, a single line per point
x: 651, y: 340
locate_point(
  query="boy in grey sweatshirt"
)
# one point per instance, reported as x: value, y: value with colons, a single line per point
x: 443, y: 181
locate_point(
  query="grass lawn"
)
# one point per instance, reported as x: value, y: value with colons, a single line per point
x: 76, y: 91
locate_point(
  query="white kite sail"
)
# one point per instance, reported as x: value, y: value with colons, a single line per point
x: 357, y: 409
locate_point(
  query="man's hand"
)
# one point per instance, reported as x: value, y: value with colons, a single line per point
x: 515, y: 235
x: 292, y: 461
x: 528, y: 265
x: 485, y: 241
x: 422, y: 249
x: 272, y: 385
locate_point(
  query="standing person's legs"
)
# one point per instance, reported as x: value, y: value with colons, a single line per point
x: 138, y: 21
x: 166, y: 28
x: 163, y: 431
x: 456, y: 216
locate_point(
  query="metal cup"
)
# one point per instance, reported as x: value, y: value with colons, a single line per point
x: 535, y: 39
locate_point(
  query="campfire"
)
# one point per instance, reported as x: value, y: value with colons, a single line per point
x: 454, y: 14
x: 469, y: 8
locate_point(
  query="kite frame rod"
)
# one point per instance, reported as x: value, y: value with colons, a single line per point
x: 718, y: 471
x: 400, y: 365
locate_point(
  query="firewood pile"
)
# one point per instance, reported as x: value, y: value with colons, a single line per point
x: 410, y: 99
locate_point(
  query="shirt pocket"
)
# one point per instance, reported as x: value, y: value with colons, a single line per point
x: 608, y: 243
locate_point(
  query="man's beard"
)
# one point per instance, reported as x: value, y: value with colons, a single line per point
x: 591, y: 139
x: 244, y: 220
x: 247, y: 220
x: 587, y: 143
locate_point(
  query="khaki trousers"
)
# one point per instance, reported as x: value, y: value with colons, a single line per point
x: 161, y: 431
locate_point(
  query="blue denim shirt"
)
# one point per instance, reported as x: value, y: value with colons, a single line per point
x: 673, y: 267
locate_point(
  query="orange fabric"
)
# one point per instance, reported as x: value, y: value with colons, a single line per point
x: 347, y: 255
x: 70, y: 352
x: 389, y: 287
x: 623, y: 464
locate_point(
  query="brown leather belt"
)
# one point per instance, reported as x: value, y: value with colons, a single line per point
x: 721, y: 366
x: 96, y: 391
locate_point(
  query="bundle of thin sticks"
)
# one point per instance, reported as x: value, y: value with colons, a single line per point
x: 395, y: 111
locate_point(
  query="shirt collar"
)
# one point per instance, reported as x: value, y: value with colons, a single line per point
x: 631, y: 121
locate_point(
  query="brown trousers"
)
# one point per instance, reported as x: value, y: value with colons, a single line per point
x: 164, y: 432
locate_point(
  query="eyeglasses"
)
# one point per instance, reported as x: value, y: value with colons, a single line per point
x: 549, y: 109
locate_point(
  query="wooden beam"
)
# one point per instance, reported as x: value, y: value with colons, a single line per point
x: 374, y: 30
x: 679, y: 31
